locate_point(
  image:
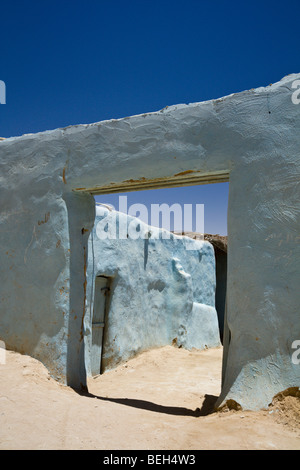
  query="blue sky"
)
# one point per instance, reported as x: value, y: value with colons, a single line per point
x: 72, y: 62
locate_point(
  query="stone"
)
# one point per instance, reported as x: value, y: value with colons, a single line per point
x: 48, y: 179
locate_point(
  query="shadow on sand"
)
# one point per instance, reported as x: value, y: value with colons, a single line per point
x: 206, y: 408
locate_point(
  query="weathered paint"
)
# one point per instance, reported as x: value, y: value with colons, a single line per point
x: 253, y: 137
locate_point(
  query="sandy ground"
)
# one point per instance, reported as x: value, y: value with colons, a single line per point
x: 160, y: 400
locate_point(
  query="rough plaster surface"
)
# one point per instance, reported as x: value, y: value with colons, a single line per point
x: 162, y: 290
x: 251, y: 138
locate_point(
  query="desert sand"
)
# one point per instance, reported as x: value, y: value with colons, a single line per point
x: 162, y: 399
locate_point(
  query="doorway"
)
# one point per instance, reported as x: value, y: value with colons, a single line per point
x: 207, y: 287
x: 213, y: 197
x: 99, y: 320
